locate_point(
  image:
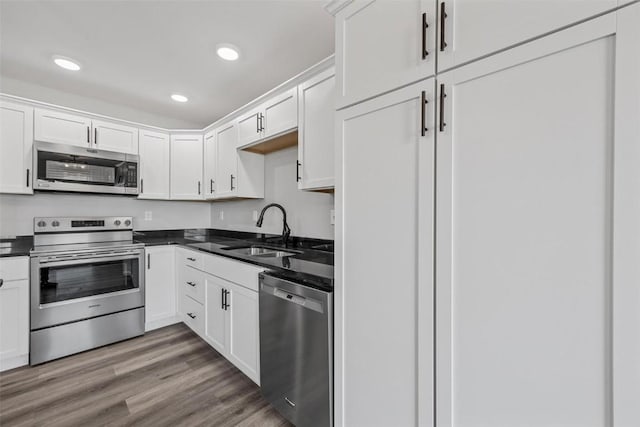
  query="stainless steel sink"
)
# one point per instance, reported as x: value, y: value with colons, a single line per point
x: 261, y: 251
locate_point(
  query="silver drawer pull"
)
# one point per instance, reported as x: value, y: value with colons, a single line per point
x: 191, y: 284
x: 191, y: 259
x: 193, y: 316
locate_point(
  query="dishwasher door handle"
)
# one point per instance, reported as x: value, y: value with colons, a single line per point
x: 305, y: 302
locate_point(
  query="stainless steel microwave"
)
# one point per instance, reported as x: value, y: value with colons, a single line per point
x: 60, y: 167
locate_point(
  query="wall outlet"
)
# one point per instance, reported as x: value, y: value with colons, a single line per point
x: 221, y: 215
x: 148, y: 215
x: 332, y: 217
x: 255, y: 215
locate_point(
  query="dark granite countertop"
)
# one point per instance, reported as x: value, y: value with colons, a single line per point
x: 20, y: 246
x: 312, y: 263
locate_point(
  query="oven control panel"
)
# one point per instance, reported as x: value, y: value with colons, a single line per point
x: 81, y: 224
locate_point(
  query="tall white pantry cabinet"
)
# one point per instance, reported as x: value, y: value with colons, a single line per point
x: 506, y: 290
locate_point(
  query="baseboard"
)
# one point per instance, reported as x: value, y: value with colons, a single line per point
x: 161, y: 323
x: 14, y: 362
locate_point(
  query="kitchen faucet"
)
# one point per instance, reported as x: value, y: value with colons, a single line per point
x: 286, y: 231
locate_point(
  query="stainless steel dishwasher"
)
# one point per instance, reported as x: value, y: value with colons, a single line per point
x: 296, y: 349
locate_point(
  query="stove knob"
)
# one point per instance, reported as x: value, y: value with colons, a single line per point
x: 42, y: 224
x: 127, y: 222
x: 116, y: 222
x: 55, y: 223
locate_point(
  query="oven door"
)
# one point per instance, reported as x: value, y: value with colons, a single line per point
x: 77, y: 286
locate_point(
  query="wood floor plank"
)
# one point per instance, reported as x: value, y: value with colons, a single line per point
x: 169, y: 377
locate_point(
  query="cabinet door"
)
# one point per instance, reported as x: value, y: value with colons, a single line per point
x: 249, y: 128
x: 227, y: 160
x: 160, y: 284
x: 316, y: 131
x: 280, y: 113
x: 216, y: 314
x: 62, y: 128
x: 538, y: 200
x: 154, y: 165
x: 210, y: 165
x: 14, y: 320
x: 16, y: 143
x: 475, y: 28
x: 382, y: 45
x: 243, y: 330
x: 115, y: 137
x: 186, y: 167
x: 384, y: 293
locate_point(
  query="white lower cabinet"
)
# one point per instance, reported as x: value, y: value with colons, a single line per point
x: 232, y: 324
x: 160, y: 287
x: 14, y: 312
x: 218, y: 299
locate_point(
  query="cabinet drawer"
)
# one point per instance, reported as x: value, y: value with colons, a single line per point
x: 14, y: 268
x: 191, y: 258
x: 193, y: 314
x: 234, y: 271
x: 192, y: 283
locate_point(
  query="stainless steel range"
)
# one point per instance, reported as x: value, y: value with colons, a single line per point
x: 87, y: 285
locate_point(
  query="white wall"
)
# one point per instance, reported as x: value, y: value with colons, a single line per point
x: 17, y: 211
x: 92, y: 105
x: 307, y: 212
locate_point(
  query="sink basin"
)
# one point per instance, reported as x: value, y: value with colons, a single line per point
x: 261, y: 251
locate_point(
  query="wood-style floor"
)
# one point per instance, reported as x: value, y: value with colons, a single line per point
x: 169, y: 377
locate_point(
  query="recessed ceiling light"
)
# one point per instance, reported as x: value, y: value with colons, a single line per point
x: 228, y: 52
x: 179, y: 98
x: 66, y: 63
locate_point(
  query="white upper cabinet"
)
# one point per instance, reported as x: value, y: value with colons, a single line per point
x: 154, y: 149
x: 72, y: 129
x: 249, y: 128
x: 537, y: 237
x: 186, y: 167
x: 238, y: 173
x: 316, y: 132
x: 62, y: 128
x: 210, y: 165
x: 16, y: 142
x: 382, y: 45
x: 475, y: 28
x: 277, y: 116
x: 115, y: 137
x: 227, y: 160
x: 280, y: 114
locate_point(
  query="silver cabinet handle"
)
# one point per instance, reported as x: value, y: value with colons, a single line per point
x: 193, y: 316
x: 191, y: 259
x: 148, y: 261
x: 191, y: 284
x: 1, y: 282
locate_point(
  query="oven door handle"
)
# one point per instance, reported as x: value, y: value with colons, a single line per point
x: 86, y: 259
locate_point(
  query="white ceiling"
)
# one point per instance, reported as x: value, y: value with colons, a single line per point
x: 137, y: 53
